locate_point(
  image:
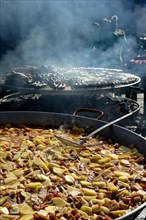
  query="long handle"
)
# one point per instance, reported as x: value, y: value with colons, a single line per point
x: 106, y: 125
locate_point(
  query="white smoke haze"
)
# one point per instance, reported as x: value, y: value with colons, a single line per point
x: 64, y: 33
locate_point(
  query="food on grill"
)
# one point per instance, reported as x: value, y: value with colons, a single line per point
x: 34, y: 77
x: 67, y: 78
x: 43, y: 179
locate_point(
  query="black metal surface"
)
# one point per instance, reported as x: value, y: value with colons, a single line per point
x: 112, y: 106
x: 116, y: 133
x: 142, y: 215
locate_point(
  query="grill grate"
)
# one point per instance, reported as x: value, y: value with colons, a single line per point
x: 68, y: 78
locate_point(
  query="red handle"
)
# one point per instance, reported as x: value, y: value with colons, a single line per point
x: 89, y: 110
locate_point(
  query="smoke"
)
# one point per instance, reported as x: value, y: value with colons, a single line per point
x: 65, y: 33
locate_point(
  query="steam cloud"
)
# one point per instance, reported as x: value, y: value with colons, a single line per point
x: 65, y: 33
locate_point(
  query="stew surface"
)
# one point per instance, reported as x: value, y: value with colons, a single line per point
x: 43, y: 179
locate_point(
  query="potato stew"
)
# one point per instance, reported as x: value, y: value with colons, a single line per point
x: 43, y: 179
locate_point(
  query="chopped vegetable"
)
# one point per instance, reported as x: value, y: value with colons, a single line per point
x: 41, y: 178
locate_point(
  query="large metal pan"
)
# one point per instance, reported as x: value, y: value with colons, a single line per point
x: 112, y: 106
x: 117, y: 133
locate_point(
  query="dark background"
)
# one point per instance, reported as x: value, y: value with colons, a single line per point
x: 68, y: 33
